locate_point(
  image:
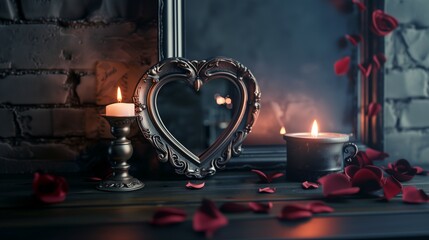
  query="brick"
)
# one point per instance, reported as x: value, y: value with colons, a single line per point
x: 28, y: 157
x: 414, y: 115
x: 101, y: 10
x: 33, y: 89
x: 7, y: 123
x: 389, y: 116
x: 86, y: 90
x: 57, y: 122
x: 396, y: 52
x: 8, y: 10
x: 416, y: 42
x: 405, y: 84
x: 411, y: 145
x: 409, y: 12
x: 48, y: 46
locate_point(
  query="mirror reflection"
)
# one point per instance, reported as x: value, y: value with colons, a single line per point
x: 197, y: 119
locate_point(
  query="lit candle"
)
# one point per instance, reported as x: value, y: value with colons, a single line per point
x: 120, y: 109
x: 313, y: 154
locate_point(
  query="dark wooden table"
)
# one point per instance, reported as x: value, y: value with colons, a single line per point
x: 91, y: 214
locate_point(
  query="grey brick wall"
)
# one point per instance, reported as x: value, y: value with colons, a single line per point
x: 60, y: 63
x: 406, y: 106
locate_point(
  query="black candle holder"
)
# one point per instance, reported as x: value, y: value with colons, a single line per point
x: 120, y: 150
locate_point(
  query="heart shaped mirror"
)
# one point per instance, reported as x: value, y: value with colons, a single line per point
x: 197, y: 113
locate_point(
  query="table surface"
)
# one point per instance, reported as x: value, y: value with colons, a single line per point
x: 91, y: 214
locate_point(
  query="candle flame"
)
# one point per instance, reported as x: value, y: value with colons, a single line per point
x: 283, y: 131
x: 314, y: 129
x: 119, y: 95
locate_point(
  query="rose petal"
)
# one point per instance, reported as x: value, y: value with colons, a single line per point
x: 360, y: 5
x: 267, y: 190
x: 273, y: 176
x: 337, y: 185
x: 420, y: 170
x: 366, y: 71
x: 93, y: 179
x: 373, y: 109
x: 378, y: 60
x: 48, y: 188
x: 354, y: 39
x: 351, y: 170
x: 373, y: 154
x: 232, y: 207
x: 341, y: 66
x: 320, y: 207
x: 401, y: 170
x: 258, y: 207
x: 361, y: 159
x: 195, y: 185
x: 411, y: 194
x: 166, y: 216
x: 382, y: 23
x: 309, y: 185
x: 262, y: 176
x: 267, y: 178
x: 295, y: 212
x: 366, y: 180
x: 391, y: 188
x: 208, y: 218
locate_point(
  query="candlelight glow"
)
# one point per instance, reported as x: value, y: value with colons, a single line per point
x: 314, y: 129
x: 119, y: 95
x: 219, y: 100
x: 228, y: 100
x: 283, y: 131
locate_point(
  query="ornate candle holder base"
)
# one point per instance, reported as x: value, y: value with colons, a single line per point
x: 120, y: 150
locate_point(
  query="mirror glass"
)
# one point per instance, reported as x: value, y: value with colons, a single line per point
x: 197, y: 119
x: 291, y: 47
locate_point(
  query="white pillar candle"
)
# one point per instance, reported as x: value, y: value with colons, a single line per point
x: 120, y: 109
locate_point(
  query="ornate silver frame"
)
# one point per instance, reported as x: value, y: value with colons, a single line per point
x: 196, y: 74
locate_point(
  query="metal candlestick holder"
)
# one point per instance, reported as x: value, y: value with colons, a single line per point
x: 120, y: 150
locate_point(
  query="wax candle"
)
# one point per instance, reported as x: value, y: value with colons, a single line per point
x: 120, y: 109
x: 311, y: 155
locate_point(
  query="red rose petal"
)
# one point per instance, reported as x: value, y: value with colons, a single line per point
x: 411, y: 194
x: 341, y: 66
x: 420, y: 170
x: 320, y: 207
x: 391, y: 188
x: 375, y: 155
x: 275, y: 175
x: 262, y: 176
x: 373, y: 109
x: 295, y: 212
x: 166, y: 216
x: 382, y: 23
x: 366, y: 71
x: 258, y: 207
x: 378, y: 60
x: 232, y: 207
x: 267, y: 178
x: 366, y: 180
x: 267, y: 190
x: 401, y: 170
x: 48, y: 188
x: 360, y: 5
x: 337, y: 185
x: 399, y: 176
x: 208, y: 218
x: 195, y: 185
x: 309, y: 185
x: 351, y: 170
x: 361, y: 159
x: 354, y: 39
